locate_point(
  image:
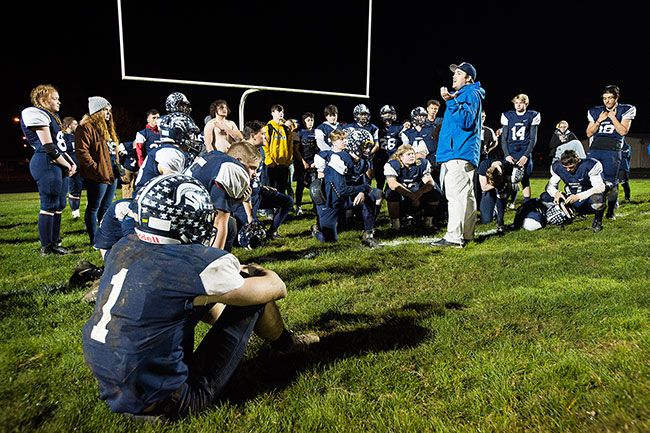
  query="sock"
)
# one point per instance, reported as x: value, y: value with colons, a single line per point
x: 283, y: 342
x: 56, y: 228
x: 45, y: 223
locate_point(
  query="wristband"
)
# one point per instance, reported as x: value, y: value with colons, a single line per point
x: 51, y: 150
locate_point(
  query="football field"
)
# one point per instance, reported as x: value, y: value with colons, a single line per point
x: 545, y: 331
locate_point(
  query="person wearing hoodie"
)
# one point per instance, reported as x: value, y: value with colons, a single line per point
x: 459, y: 149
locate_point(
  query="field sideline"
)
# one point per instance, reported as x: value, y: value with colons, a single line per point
x: 545, y: 331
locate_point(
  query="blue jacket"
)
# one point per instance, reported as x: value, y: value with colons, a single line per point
x: 460, y: 134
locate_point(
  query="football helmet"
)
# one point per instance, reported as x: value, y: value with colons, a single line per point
x: 177, y: 102
x: 317, y: 191
x: 517, y: 174
x: 174, y: 208
x: 361, y: 114
x: 559, y: 214
x: 252, y: 235
x: 359, y: 142
x: 418, y: 116
x: 181, y: 129
x: 388, y: 113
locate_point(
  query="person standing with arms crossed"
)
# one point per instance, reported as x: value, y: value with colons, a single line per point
x: 459, y: 149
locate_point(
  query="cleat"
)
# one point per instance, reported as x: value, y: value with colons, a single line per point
x: 299, y: 344
x: 368, y: 239
x: 58, y: 249
x: 597, y: 226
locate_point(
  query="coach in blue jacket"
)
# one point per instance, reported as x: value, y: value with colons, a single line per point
x: 459, y: 146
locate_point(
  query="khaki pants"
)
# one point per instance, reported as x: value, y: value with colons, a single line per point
x: 457, y: 178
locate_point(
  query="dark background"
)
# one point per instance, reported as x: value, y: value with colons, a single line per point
x: 562, y: 58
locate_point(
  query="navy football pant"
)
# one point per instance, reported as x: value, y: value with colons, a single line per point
x: 213, y: 362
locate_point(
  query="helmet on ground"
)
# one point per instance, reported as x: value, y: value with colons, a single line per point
x: 361, y: 114
x: 252, y: 235
x: 388, y: 113
x: 418, y: 116
x: 174, y: 209
x: 559, y: 214
x: 177, y: 102
x: 359, y: 142
x: 181, y: 129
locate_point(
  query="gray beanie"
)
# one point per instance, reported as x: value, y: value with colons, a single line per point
x: 97, y: 103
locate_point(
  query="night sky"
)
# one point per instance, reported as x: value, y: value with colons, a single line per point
x: 561, y: 59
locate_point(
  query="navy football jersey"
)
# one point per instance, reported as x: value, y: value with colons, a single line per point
x: 146, y: 139
x: 34, y: 117
x: 582, y: 179
x: 390, y: 138
x: 517, y: 130
x: 223, y: 176
x: 136, y: 340
x: 166, y: 155
x: 322, y: 134
x: 422, y: 141
x: 343, y: 179
x: 606, y: 138
x: 410, y: 177
x: 116, y: 223
x: 370, y: 127
x: 308, y: 146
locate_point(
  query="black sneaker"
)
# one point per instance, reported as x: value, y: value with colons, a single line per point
x: 47, y: 250
x: 610, y: 216
x: 445, y: 243
x: 597, y: 225
x: 58, y: 249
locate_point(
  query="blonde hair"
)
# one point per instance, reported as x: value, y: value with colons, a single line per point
x: 41, y: 93
x: 338, y: 134
x: 106, y: 129
x: 521, y: 97
x: 246, y: 151
x: 403, y: 149
x: 562, y: 122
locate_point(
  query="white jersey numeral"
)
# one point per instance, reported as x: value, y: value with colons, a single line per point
x: 99, y: 331
x: 60, y: 142
x: 518, y: 133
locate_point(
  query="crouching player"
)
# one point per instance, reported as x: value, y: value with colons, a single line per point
x: 584, y: 185
x: 411, y: 190
x: 346, y: 186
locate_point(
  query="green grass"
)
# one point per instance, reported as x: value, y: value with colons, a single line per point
x: 545, y: 331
